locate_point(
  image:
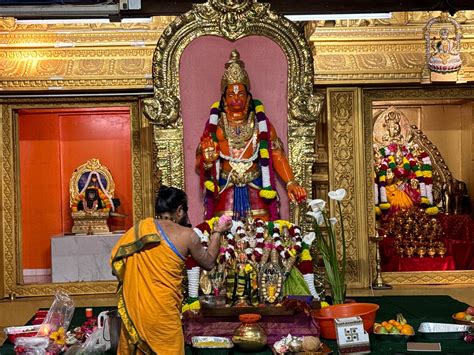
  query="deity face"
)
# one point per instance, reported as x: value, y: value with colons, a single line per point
x: 236, y: 97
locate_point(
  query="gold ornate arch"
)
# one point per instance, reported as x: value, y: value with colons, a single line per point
x: 232, y: 20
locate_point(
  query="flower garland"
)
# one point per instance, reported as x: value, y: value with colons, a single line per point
x: 268, y: 190
x: 409, y: 168
x: 293, y: 247
x: 103, y: 198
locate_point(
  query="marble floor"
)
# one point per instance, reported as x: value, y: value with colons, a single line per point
x: 19, y: 311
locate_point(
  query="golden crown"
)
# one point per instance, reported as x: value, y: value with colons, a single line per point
x: 235, y: 72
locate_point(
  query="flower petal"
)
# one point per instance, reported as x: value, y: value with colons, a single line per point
x: 337, y: 195
x: 309, y: 238
x: 318, y: 217
x: 317, y: 204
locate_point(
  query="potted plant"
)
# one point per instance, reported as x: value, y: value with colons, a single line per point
x: 328, y: 244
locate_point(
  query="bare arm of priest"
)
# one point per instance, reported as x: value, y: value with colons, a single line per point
x: 207, y: 258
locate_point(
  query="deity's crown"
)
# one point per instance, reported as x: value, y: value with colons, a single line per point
x: 235, y: 72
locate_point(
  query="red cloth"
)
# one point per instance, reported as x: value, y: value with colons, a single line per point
x: 391, y: 261
x: 276, y: 327
x: 457, y: 227
x: 419, y: 264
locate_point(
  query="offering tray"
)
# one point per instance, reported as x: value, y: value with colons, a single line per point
x: 430, y: 330
x: 235, y: 311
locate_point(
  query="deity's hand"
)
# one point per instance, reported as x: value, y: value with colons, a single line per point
x: 296, y: 193
x: 209, y: 150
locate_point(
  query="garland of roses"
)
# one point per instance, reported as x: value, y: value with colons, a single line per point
x: 268, y: 190
x: 409, y: 164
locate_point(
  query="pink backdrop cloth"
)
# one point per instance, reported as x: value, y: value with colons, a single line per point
x: 201, y: 68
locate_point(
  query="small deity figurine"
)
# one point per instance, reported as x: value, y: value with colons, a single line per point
x: 93, y: 197
x: 239, y: 152
x: 445, y: 57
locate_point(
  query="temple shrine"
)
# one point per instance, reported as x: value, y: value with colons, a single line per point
x: 331, y: 158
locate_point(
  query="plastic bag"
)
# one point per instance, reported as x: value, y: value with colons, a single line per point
x: 59, y: 315
x: 31, y: 345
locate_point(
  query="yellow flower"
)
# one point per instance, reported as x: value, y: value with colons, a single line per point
x: 264, y: 153
x: 260, y: 108
x: 209, y: 185
x: 58, y: 336
x: 424, y: 200
x: 378, y: 211
x: 324, y: 304
x: 432, y: 210
x: 292, y: 252
x: 268, y: 194
x: 305, y: 255
x: 428, y: 173
x: 418, y: 173
x: 283, y: 223
x: 384, y: 206
x: 212, y: 221
x: 248, y: 268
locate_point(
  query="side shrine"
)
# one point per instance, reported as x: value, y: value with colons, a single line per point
x: 326, y: 157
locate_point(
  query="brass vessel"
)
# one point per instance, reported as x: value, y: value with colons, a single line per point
x: 250, y: 336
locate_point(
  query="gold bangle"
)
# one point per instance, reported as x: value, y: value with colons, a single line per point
x: 290, y: 182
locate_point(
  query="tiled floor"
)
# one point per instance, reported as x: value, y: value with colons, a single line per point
x: 19, y: 311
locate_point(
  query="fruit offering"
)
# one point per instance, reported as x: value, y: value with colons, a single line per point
x: 394, y: 327
x: 467, y: 315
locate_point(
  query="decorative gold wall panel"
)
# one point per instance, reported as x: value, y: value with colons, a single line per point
x: 379, y: 51
x: 59, y: 57
x: 347, y: 170
x: 10, y: 244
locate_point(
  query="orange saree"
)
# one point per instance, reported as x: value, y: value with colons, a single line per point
x: 150, y: 276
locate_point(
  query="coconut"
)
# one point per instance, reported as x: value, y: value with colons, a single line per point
x: 311, y: 343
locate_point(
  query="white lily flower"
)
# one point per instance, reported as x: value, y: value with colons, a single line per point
x: 333, y: 221
x: 317, y: 205
x: 318, y: 217
x: 337, y: 195
x: 309, y: 238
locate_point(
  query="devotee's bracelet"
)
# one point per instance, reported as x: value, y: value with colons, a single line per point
x: 290, y: 182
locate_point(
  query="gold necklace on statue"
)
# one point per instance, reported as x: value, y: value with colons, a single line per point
x: 239, y: 134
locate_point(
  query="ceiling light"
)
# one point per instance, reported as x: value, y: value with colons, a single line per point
x: 361, y: 16
x: 81, y: 21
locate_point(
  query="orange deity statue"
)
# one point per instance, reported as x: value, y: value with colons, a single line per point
x: 240, y: 152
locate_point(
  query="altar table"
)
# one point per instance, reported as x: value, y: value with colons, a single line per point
x: 391, y: 261
x: 416, y: 309
x: 82, y: 257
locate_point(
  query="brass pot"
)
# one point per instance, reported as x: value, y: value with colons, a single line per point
x: 250, y: 336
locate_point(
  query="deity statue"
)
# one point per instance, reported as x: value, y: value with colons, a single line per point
x: 92, y: 202
x: 445, y: 57
x: 239, y: 153
x: 403, y: 171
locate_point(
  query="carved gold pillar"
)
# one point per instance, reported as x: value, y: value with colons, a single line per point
x: 347, y: 170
